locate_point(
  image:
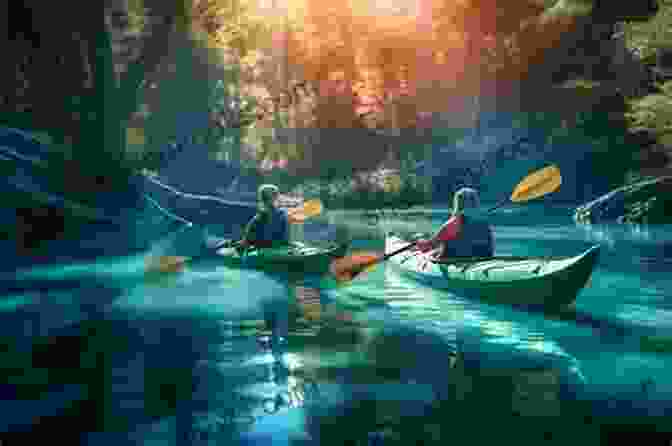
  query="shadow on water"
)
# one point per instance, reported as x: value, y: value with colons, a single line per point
x: 583, y: 318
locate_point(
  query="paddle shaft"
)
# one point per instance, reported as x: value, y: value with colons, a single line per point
x: 385, y: 257
x: 411, y: 245
x: 398, y: 251
x: 438, y: 236
x: 498, y: 205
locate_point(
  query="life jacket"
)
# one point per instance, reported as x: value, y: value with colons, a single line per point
x: 271, y: 228
x: 474, y: 240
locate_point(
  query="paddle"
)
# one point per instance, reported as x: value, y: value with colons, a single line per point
x: 535, y: 185
x: 310, y: 208
x: 299, y: 214
x: 347, y: 268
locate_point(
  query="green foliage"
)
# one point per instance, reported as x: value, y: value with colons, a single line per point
x: 609, y: 152
x: 342, y: 193
x: 137, y: 16
x: 184, y: 92
x: 228, y: 24
x: 653, y: 112
x: 647, y: 37
x: 570, y: 8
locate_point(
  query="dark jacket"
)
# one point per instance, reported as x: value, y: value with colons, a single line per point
x: 475, y: 240
x: 268, y: 227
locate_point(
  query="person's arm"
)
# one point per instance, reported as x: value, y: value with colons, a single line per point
x: 249, y: 231
x: 449, y: 231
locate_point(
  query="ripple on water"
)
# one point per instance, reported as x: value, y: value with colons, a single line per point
x: 645, y: 316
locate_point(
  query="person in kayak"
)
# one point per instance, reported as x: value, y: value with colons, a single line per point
x: 471, y: 236
x: 270, y: 226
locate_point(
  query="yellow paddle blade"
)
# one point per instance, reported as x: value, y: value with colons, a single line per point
x: 135, y: 136
x: 310, y: 208
x: 537, y: 184
x: 165, y: 264
x: 369, y: 268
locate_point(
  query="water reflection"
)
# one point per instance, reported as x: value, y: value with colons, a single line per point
x: 272, y: 379
x: 199, y: 346
x: 454, y: 316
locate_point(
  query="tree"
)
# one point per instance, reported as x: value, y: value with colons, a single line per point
x: 87, y: 114
x: 107, y: 59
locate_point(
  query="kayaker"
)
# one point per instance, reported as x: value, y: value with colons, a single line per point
x: 270, y: 226
x: 472, y: 236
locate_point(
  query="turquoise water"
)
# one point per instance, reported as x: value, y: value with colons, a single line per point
x: 258, y: 357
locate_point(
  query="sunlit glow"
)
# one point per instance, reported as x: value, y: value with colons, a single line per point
x: 497, y: 328
x: 292, y: 361
x: 358, y: 7
x: 540, y: 346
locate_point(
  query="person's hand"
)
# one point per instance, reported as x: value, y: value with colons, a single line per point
x: 424, y: 245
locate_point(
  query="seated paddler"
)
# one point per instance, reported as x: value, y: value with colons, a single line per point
x: 472, y: 235
x: 270, y: 226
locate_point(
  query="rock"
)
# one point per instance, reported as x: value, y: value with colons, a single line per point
x: 43, y: 225
x: 646, y: 201
x: 663, y: 67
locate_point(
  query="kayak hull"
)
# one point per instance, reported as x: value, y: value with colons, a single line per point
x: 297, y: 258
x: 521, y: 281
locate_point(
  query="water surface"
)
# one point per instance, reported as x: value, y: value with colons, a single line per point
x: 250, y: 355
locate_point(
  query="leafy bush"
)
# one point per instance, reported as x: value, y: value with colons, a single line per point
x: 646, y: 38
x: 653, y: 112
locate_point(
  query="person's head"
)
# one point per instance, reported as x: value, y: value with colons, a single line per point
x: 268, y: 104
x: 284, y: 99
x: 266, y: 195
x: 466, y: 200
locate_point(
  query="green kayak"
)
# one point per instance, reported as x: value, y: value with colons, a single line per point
x: 551, y: 282
x: 297, y: 257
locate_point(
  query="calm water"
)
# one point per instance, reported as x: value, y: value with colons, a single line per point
x: 207, y: 333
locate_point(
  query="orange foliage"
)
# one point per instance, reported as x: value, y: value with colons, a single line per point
x: 376, y: 60
x: 384, y: 71
x: 440, y: 48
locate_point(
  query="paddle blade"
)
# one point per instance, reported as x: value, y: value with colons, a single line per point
x: 537, y: 184
x: 165, y: 264
x: 310, y: 208
x: 347, y: 268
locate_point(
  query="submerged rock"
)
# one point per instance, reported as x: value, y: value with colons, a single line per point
x: 646, y: 201
x: 525, y: 386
